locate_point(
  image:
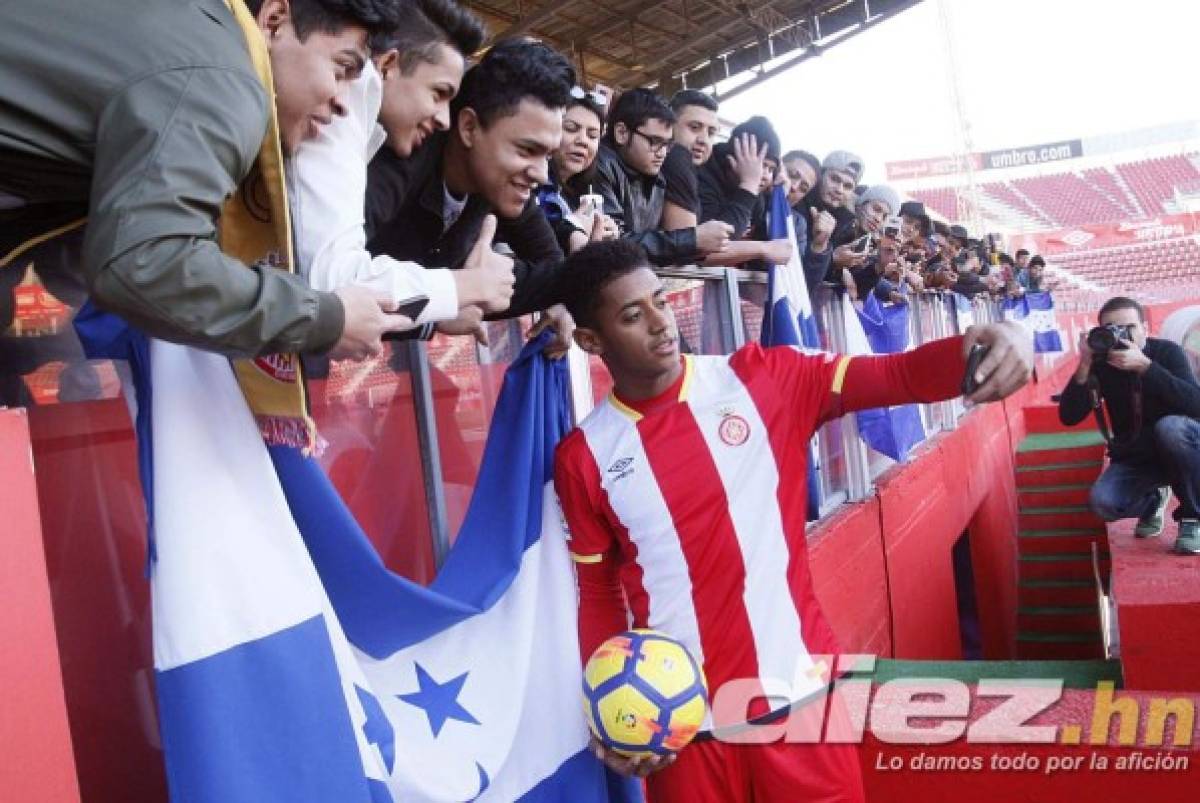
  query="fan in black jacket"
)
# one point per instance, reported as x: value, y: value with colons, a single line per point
x: 728, y: 193
x: 506, y: 119
x: 407, y: 219
x: 840, y: 172
x: 628, y: 177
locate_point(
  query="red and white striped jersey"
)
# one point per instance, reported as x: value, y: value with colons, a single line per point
x: 700, y: 496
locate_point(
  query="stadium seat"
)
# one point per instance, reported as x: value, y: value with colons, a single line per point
x: 1125, y: 191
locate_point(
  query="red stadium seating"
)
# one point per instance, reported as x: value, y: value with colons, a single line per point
x: 1005, y: 194
x: 1126, y: 191
x: 942, y: 200
x: 1165, y: 269
x: 1070, y: 200
x: 1154, y: 180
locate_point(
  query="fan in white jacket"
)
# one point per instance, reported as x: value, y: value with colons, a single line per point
x: 327, y: 183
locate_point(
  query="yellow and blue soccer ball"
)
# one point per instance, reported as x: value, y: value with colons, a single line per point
x: 644, y: 694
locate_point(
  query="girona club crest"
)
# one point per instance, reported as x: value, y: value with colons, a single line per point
x: 280, y: 367
x: 734, y: 430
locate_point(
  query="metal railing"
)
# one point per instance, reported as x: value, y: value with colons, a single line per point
x: 437, y: 398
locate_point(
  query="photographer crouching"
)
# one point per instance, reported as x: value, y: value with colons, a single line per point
x: 1152, y: 423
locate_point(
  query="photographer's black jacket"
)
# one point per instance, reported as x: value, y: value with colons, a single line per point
x: 1168, y: 388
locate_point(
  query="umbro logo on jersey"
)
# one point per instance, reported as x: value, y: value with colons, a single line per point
x: 621, y: 468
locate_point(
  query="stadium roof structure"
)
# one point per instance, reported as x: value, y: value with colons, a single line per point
x: 670, y: 44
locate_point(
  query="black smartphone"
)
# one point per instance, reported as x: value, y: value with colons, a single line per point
x: 969, y: 385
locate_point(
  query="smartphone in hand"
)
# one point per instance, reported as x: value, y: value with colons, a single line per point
x: 969, y: 385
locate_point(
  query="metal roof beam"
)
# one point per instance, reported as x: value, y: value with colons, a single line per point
x: 559, y: 42
x: 609, y: 25
x: 698, y: 37
x: 618, y: 18
x: 895, y: 7
x: 543, y: 14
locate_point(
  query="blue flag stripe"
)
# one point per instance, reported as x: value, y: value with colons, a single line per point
x: 263, y: 722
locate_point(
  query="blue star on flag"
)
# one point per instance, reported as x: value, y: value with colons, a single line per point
x: 439, y: 701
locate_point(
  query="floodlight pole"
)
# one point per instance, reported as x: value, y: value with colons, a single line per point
x: 968, y: 207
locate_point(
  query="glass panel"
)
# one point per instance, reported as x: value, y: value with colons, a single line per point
x: 753, y: 297
x: 601, y: 380
x: 699, y: 310
x: 366, y: 414
x: 833, y: 474
x: 93, y: 523
x: 466, y: 385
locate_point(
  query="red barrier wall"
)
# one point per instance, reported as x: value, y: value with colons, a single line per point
x: 38, y: 764
x: 897, y: 546
x: 850, y: 576
x: 91, y: 505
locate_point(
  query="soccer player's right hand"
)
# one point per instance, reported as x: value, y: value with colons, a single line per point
x: 711, y: 237
x: 367, y: 319
x: 630, y: 766
x: 488, y: 278
x: 1009, y: 361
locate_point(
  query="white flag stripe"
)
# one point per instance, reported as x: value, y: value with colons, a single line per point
x: 218, y: 505
x: 520, y: 653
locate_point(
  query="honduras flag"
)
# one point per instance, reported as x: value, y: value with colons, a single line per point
x: 292, y: 666
x: 883, y: 329
x: 788, y: 317
x: 1036, y: 311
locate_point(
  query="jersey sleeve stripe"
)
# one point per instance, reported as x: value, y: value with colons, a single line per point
x: 839, y: 375
x: 586, y: 558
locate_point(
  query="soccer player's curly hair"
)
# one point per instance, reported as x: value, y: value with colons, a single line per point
x: 589, y: 270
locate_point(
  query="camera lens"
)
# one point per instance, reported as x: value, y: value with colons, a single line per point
x: 1101, y: 340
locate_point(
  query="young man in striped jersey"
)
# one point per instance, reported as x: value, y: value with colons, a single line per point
x: 684, y: 492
